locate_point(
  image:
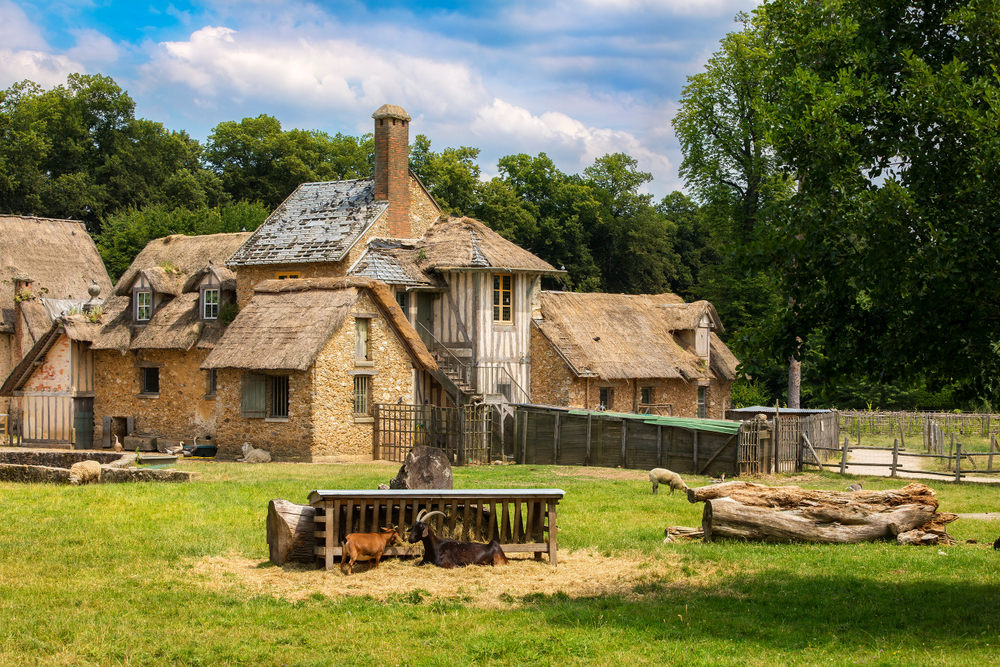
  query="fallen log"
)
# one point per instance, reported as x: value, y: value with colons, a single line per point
x: 291, y: 532
x: 740, y: 510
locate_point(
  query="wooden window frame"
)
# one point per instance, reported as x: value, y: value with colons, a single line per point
x: 362, y: 341
x: 140, y: 307
x: 280, y: 391
x: 702, y: 402
x: 288, y: 275
x: 611, y: 396
x: 205, y: 303
x: 361, y: 396
x: 212, y: 383
x: 645, y: 395
x: 145, y: 372
x: 499, y: 304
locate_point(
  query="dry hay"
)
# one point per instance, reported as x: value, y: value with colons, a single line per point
x: 580, y: 574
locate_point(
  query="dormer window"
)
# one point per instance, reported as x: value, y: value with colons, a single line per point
x: 143, y: 305
x: 210, y: 304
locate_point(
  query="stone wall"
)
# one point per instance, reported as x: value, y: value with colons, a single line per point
x: 6, y: 366
x: 181, y: 409
x: 247, y: 277
x: 288, y: 439
x: 423, y: 210
x: 552, y: 382
x: 337, y: 431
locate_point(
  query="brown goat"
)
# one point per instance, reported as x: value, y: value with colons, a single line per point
x: 366, y: 546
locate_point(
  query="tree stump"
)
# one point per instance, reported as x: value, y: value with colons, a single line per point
x: 291, y: 532
x: 424, y: 468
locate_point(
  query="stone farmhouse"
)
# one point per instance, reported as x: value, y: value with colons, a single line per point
x: 644, y: 353
x: 46, y: 269
x: 356, y: 293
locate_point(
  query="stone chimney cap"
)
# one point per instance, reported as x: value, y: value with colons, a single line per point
x: 391, y: 111
x: 23, y: 277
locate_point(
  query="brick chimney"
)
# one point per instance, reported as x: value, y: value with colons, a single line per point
x: 392, y: 166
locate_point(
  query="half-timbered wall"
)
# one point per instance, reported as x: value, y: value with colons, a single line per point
x: 463, y: 321
x: 83, y: 367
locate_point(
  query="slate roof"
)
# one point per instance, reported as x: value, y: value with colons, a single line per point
x: 393, y: 263
x: 319, y: 222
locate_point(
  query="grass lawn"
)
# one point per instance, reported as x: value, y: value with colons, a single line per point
x: 151, y: 574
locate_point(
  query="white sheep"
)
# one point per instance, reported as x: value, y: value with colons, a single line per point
x: 84, y: 472
x: 253, y: 455
x: 663, y: 476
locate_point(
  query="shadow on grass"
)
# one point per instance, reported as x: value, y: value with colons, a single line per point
x: 796, y: 611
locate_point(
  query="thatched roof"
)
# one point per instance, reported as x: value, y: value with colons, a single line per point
x: 225, y: 277
x: 174, y: 326
x: 724, y: 362
x: 287, y: 323
x: 318, y: 222
x: 464, y: 243
x: 619, y: 336
x: 185, y: 256
x: 58, y: 255
x: 116, y: 325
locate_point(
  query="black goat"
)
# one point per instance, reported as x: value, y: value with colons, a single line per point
x: 452, y: 553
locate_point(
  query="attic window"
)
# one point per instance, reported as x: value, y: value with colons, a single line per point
x: 210, y: 304
x: 143, y: 305
x: 503, y: 311
x: 288, y: 276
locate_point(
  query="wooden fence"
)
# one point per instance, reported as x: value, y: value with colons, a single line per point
x: 857, y: 424
x: 557, y: 436
x: 465, y: 434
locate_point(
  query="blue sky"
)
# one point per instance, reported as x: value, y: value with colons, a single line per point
x: 575, y: 80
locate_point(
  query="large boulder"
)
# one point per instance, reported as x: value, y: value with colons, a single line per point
x: 424, y: 468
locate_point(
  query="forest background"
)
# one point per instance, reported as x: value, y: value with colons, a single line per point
x: 842, y: 209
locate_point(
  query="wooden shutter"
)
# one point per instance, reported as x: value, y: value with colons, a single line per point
x: 106, y: 432
x: 252, y: 396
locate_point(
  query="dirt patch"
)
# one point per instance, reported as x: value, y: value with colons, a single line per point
x: 580, y: 574
x: 602, y: 473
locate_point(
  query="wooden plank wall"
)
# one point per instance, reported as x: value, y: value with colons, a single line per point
x: 545, y: 437
x: 47, y: 417
x: 83, y: 367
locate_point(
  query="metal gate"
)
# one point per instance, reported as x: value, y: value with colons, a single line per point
x: 464, y: 434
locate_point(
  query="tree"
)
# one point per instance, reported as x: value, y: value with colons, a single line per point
x: 889, y: 115
x: 258, y: 161
x: 452, y: 175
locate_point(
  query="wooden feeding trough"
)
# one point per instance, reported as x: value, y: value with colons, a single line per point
x: 522, y: 520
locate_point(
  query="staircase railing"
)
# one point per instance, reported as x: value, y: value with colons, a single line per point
x: 449, y: 364
x: 491, y: 380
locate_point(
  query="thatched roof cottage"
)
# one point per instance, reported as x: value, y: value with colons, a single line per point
x: 303, y: 362
x: 630, y: 353
x: 164, y: 316
x: 41, y: 259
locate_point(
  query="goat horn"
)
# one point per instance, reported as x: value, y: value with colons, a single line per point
x: 427, y: 516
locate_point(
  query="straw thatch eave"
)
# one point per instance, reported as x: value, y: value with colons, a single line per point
x: 116, y: 325
x: 174, y: 326
x: 58, y: 255
x: 185, y: 254
x: 621, y: 337
x: 463, y: 244
x: 724, y: 362
x: 293, y: 319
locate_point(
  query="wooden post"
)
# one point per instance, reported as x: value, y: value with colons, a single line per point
x: 460, y: 455
x: 843, y: 457
x: 552, y: 533
x: 951, y: 444
x: 586, y: 461
x: 902, y: 440
x: 624, y: 438
x: 695, y: 453
x: 659, y: 445
x: 805, y: 438
x: 332, y: 528
x: 895, y: 453
x: 376, y: 453
x: 524, y: 439
x: 993, y: 444
x: 555, y: 442
x: 958, y: 461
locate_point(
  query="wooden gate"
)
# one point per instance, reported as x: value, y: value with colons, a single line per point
x: 748, y: 450
x: 464, y: 434
x: 47, y: 419
x: 786, y: 444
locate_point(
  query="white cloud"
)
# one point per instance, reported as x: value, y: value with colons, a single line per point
x: 93, y: 47
x: 562, y: 136
x: 45, y: 69
x: 218, y: 62
x: 16, y: 31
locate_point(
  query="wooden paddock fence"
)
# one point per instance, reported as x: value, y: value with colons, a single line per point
x: 545, y: 435
x: 857, y: 424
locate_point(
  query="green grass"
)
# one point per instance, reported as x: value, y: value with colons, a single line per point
x: 102, y: 575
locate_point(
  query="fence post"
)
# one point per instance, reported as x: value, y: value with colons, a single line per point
x: 586, y: 461
x: 376, y: 454
x: 843, y: 456
x: 993, y: 444
x: 555, y: 442
x: 624, y: 436
x: 958, y: 462
x: 460, y: 455
x: 895, y: 455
